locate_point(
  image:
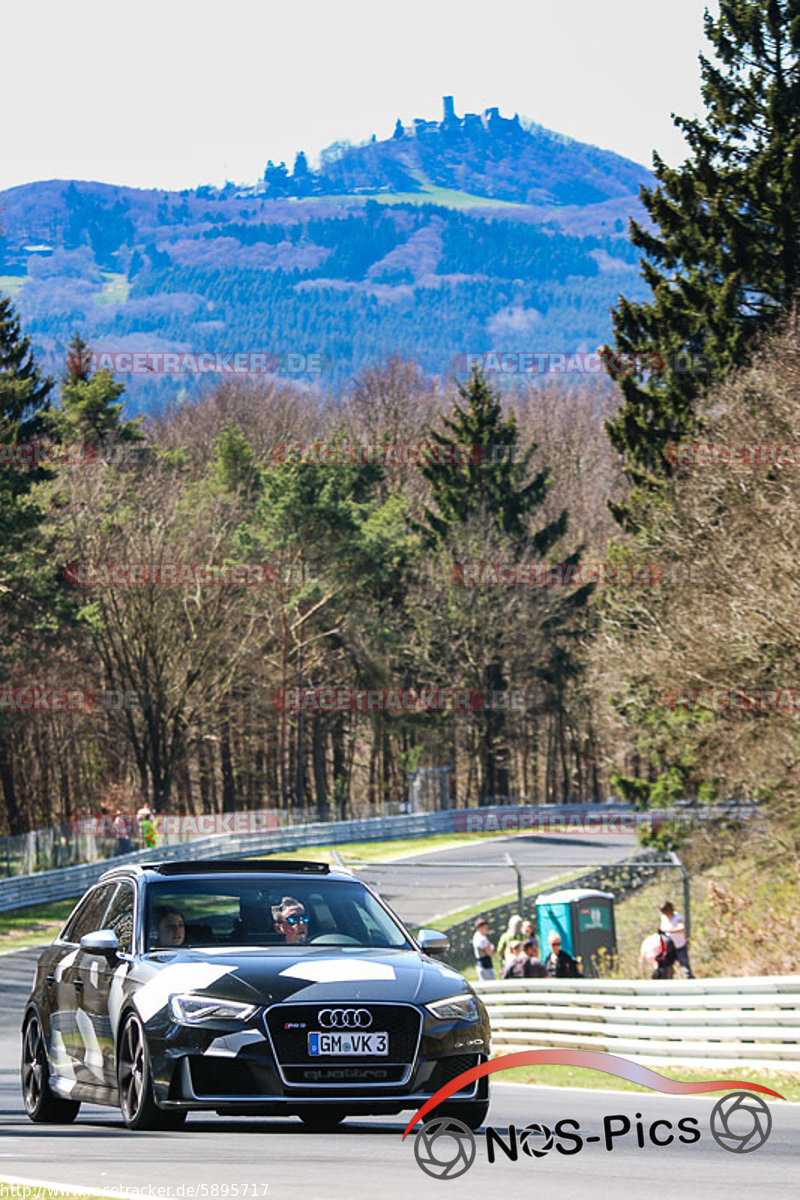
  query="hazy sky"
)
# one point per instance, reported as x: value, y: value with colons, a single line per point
x: 175, y: 93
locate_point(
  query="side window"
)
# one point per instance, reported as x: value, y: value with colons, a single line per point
x: 120, y: 917
x: 90, y: 914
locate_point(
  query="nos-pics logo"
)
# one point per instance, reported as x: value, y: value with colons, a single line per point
x: 446, y: 1148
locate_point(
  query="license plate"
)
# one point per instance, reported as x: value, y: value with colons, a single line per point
x: 348, y: 1043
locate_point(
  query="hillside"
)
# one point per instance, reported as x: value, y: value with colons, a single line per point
x: 482, y: 154
x: 463, y: 235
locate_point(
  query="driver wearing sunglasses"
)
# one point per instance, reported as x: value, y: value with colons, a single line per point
x: 291, y: 919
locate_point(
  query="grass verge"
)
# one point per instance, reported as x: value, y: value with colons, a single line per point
x: 584, y: 1077
x: 10, y: 1190
x: 387, y: 851
x: 464, y: 914
x: 33, y: 926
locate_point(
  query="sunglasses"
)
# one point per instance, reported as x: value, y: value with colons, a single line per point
x: 295, y: 920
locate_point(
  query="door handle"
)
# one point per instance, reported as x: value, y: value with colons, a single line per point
x: 50, y: 978
x: 78, y: 985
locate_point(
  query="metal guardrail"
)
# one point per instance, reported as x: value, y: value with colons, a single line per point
x: 62, y: 883
x: 20, y: 891
x: 745, y: 1022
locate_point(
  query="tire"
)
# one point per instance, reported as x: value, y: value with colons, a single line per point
x: 137, y: 1105
x: 471, y: 1112
x: 321, y: 1118
x: 41, y: 1103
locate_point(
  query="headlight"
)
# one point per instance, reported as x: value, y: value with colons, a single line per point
x: 195, y: 1010
x: 455, y: 1008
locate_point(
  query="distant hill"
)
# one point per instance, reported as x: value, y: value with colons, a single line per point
x: 484, y: 154
x: 462, y: 235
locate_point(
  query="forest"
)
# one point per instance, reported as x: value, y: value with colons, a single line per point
x: 543, y: 588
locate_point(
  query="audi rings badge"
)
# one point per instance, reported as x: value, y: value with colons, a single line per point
x: 344, y: 1018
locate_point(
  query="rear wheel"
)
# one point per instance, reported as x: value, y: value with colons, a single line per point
x: 137, y: 1105
x: 321, y: 1118
x: 41, y: 1103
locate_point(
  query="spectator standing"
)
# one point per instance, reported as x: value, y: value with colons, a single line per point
x: 672, y: 923
x: 528, y: 933
x: 508, y: 936
x: 512, y: 954
x: 526, y: 965
x: 483, y: 949
x: 559, y: 964
x: 147, y: 827
x: 647, y: 955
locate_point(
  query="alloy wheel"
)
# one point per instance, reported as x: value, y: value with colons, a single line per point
x: 131, y: 1070
x: 32, y: 1066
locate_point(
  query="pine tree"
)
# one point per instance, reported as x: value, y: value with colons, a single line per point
x: 484, y: 501
x: 24, y: 409
x: 477, y: 470
x: 24, y: 421
x: 91, y: 408
x: 723, y: 260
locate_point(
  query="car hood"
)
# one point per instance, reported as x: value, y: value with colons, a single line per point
x: 267, y: 976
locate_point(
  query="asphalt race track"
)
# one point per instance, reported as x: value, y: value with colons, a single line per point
x: 420, y: 887
x: 219, y: 1158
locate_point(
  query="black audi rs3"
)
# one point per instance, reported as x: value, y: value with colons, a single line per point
x: 246, y: 987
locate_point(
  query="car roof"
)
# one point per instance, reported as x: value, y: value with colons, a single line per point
x: 207, y: 868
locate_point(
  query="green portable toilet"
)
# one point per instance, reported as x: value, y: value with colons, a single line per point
x: 584, y: 920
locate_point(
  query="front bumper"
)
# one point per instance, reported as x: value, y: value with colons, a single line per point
x: 261, y: 1070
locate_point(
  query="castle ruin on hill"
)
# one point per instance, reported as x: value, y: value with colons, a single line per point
x: 489, y: 120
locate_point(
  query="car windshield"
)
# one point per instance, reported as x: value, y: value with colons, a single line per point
x: 280, y: 912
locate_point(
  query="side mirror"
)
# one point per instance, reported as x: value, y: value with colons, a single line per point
x: 102, y: 942
x: 433, y: 942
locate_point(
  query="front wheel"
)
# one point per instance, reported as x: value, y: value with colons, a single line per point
x: 137, y: 1105
x: 41, y: 1103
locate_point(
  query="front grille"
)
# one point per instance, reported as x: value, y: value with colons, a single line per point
x: 349, y: 1074
x: 448, y: 1068
x: 401, y: 1022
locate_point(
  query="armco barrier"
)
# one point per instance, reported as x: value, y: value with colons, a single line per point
x: 744, y: 1022
x: 19, y: 891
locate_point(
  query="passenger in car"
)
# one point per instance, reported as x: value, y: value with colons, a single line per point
x: 291, y: 919
x: 171, y: 927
